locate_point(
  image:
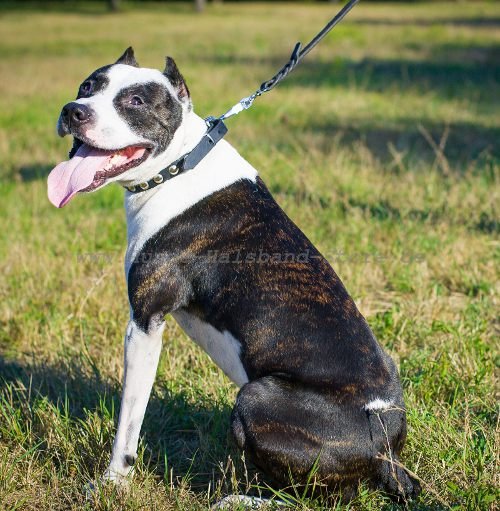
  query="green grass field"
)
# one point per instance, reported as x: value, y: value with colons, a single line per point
x: 384, y: 147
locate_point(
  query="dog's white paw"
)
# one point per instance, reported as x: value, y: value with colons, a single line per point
x: 118, y: 478
x: 110, y: 476
x: 245, y: 502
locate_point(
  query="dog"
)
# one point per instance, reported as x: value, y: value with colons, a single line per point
x: 211, y: 247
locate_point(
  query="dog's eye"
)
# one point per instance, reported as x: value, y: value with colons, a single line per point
x: 86, y: 88
x: 136, y: 101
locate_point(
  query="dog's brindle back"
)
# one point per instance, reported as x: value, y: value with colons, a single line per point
x: 311, y: 359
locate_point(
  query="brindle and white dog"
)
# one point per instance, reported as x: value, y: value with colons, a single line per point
x: 213, y: 248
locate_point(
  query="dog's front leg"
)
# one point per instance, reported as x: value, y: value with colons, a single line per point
x: 142, y: 351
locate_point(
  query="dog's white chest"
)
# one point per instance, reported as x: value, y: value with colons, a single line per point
x: 222, y: 347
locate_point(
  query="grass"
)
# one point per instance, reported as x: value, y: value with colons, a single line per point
x: 384, y: 146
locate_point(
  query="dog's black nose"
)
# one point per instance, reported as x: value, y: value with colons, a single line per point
x: 75, y: 114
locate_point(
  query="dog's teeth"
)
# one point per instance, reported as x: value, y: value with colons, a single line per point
x: 112, y: 161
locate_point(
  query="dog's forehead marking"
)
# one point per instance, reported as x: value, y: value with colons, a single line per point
x: 121, y: 76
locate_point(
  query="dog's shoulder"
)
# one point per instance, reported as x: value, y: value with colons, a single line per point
x: 164, y: 270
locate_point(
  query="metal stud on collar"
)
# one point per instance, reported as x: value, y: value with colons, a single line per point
x: 144, y: 186
x: 173, y: 170
x: 131, y: 188
x: 158, y: 179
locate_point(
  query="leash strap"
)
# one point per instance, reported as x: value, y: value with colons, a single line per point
x: 216, y: 129
x: 297, y: 55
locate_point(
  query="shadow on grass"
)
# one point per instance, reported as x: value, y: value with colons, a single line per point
x: 90, y: 8
x: 446, y: 71
x: 33, y: 172
x: 70, y: 7
x: 464, y: 145
x: 401, y: 145
x: 193, y: 438
x: 466, y: 74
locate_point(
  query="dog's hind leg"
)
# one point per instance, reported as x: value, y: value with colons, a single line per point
x: 142, y: 351
x: 287, y: 428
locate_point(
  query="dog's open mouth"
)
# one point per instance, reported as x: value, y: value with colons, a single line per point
x: 89, y: 168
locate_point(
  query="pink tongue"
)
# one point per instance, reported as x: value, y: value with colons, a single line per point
x: 69, y: 177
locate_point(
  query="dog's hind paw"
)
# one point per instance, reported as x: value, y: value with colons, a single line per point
x: 398, y: 482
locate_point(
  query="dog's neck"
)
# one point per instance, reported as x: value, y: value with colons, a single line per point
x: 189, y: 133
x: 149, y: 211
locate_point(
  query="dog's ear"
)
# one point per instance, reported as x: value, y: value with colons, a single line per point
x: 128, y: 58
x: 175, y: 78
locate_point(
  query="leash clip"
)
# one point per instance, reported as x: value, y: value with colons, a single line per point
x: 210, y: 121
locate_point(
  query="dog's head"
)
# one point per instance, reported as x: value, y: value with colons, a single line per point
x: 123, y: 120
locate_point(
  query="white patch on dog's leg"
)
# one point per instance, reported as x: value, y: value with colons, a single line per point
x: 378, y: 404
x: 142, y: 352
x: 222, y: 347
